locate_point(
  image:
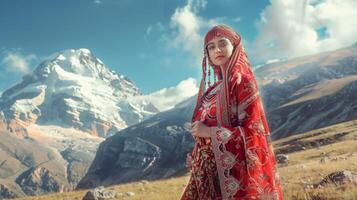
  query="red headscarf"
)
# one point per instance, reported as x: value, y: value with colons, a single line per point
x: 238, y: 63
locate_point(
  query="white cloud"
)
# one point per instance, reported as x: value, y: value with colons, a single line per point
x: 187, y: 25
x: 97, y: 2
x: 289, y: 29
x: 167, y: 98
x: 148, y: 30
x: 154, y: 29
x: 237, y: 19
x: 272, y: 61
x: 15, y: 62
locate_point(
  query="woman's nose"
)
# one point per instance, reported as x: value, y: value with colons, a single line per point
x: 218, y: 49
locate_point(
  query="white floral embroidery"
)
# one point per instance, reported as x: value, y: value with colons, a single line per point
x: 224, y: 134
x: 243, y: 105
x: 258, y: 125
x: 252, y: 159
x: 231, y: 185
x: 250, y: 86
x: 227, y: 160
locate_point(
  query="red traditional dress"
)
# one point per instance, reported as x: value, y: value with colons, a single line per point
x: 204, y: 181
x: 238, y: 161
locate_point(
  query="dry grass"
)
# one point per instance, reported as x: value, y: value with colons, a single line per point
x: 307, y: 170
x: 155, y: 190
x: 303, y: 170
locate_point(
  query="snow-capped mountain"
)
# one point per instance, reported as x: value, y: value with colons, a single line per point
x: 73, y: 88
x: 52, y: 123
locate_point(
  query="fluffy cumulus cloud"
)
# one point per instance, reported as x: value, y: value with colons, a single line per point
x: 18, y: 63
x: 187, y: 26
x: 167, y: 98
x: 292, y: 28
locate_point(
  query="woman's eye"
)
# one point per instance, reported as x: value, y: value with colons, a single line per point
x: 210, y: 48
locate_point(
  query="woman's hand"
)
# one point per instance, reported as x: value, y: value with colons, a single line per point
x: 199, y: 129
x: 189, y: 160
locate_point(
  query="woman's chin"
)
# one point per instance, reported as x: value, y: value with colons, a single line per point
x: 220, y: 63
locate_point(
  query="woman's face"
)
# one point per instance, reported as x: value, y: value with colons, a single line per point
x: 219, y: 50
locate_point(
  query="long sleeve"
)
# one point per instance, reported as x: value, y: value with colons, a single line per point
x: 245, y: 161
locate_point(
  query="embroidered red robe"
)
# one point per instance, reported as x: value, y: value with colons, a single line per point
x: 238, y: 161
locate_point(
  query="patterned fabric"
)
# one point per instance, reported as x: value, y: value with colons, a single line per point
x: 244, y: 157
x: 240, y: 145
x: 204, y: 182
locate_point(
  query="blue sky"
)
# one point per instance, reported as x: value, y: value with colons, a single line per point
x: 157, y: 43
x: 116, y: 31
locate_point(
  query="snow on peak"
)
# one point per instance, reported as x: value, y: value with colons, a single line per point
x: 81, y: 62
x: 84, y: 50
x: 75, y: 88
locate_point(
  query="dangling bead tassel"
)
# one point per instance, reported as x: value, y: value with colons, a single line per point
x: 209, y: 77
x: 214, y: 75
x: 204, y: 70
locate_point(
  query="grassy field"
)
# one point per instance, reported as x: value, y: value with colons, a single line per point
x: 302, y: 171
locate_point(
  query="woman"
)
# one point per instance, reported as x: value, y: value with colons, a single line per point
x: 233, y: 157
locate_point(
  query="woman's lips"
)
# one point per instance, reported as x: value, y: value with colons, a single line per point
x: 219, y: 57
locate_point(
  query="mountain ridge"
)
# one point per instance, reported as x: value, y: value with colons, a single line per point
x: 325, y: 109
x: 74, y: 88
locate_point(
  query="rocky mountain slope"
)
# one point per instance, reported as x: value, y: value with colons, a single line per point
x: 319, y: 164
x: 310, y: 92
x: 299, y: 95
x: 155, y: 148
x: 52, y: 122
x: 73, y: 88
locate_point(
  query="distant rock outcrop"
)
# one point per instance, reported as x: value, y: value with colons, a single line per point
x: 337, y: 178
x: 6, y: 193
x: 155, y: 148
x: 99, y: 193
x: 282, y: 158
x: 38, y: 181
